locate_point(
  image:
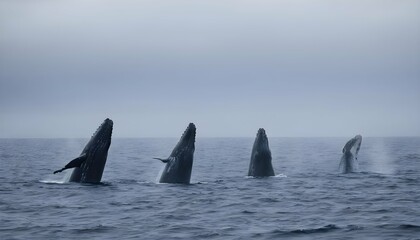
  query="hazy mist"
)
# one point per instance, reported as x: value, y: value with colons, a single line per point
x: 296, y: 68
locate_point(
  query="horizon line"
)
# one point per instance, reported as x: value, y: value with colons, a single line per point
x: 148, y: 137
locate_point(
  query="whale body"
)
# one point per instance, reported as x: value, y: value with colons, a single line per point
x: 179, y: 164
x: 349, y: 162
x: 89, y: 166
x: 260, y: 164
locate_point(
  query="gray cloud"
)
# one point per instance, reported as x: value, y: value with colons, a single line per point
x: 297, y: 68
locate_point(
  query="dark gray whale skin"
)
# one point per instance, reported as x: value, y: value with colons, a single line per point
x: 348, y: 161
x: 179, y: 164
x: 89, y: 166
x: 260, y: 164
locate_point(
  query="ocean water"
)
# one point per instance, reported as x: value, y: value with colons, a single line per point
x: 307, y: 199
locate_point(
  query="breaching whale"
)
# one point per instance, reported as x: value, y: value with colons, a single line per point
x: 89, y: 166
x: 179, y: 163
x: 260, y: 164
x: 349, y: 161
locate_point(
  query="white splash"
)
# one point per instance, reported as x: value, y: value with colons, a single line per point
x: 160, y: 173
x: 380, y: 159
x: 281, y: 175
x: 64, y: 179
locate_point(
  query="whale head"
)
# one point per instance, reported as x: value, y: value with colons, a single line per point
x: 353, y: 145
x: 261, y: 141
x: 186, y: 144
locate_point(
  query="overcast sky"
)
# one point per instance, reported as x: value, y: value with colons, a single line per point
x: 296, y: 68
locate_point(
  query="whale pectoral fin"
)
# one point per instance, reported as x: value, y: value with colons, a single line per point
x: 77, y: 162
x: 163, y: 160
x: 59, y: 170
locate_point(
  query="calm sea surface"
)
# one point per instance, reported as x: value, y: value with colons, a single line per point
x: 307, y: 199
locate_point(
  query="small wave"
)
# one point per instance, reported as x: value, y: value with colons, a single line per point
x: 413, y: 156
x: 94, y: 229
x: 410, y: 179
x: 66, y: 206
x: 176, y: 184
x: 409, y: 226
x: 199, y: 182
x: 376, y: 175
x: 126, y: 181
x: 99, y: 184
x: 268, y: 199
x: 179, y: 184
x: 327, y: 228
x: 354, y: 228
x: 401, y: 226
x: 207, y: 235
x: 247, y: 212
x: 381, y: 211
x: 324, y: 229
